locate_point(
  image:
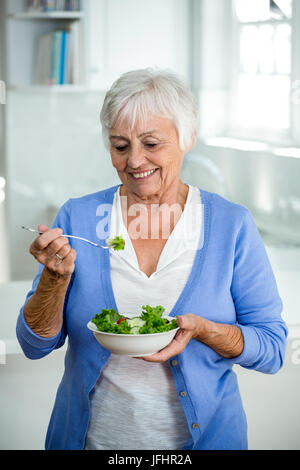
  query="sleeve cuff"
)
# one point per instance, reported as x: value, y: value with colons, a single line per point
x: 25, y: 333
x: 251, y: 347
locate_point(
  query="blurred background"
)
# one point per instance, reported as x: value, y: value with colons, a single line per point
x: 57, y: 60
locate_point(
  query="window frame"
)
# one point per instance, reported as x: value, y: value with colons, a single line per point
x: 283, y: 137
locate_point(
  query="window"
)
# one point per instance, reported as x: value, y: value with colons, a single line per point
x: 263, y: 77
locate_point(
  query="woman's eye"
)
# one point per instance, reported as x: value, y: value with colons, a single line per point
x: 151, y: 145
x: 121, y: 148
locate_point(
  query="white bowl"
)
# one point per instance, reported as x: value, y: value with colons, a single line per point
x: 133, y: 345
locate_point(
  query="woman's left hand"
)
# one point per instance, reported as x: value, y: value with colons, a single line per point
x: 225, y: 339
x: 189, y: 325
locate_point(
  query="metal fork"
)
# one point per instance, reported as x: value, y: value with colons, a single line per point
x: 69, y: 236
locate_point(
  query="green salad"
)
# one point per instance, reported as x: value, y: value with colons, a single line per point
x: 117, y: 243
x: 150, y: 321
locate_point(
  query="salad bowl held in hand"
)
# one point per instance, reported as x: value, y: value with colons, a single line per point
x: 136, y: 337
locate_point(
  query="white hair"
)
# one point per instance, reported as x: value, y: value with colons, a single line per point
x: 140, y: 93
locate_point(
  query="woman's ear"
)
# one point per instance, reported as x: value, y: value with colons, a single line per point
x: 193, y: 141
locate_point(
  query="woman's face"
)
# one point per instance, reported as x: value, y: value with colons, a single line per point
x: 148, y: 158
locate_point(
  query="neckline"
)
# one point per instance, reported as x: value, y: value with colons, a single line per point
x: 196, y: 270
x: 123, y: 230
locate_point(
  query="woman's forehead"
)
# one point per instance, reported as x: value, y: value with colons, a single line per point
x: 142, y: 126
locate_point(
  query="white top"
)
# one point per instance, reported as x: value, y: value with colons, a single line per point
x: 134, y: 404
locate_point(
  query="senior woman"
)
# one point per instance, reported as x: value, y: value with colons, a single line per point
x: 218, y: 283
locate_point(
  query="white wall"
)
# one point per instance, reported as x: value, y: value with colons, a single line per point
x: 131, y: 34
x: 54, y: 152
x: 27, y: 396
x: 272, y: 404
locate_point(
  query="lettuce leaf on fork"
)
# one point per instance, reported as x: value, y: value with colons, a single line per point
x: 117, y: 243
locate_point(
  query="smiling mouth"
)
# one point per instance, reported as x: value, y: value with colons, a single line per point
x: 143, y: 175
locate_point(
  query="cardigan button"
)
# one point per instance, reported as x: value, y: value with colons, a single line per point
x: 183, y: 394
x: 174, y: 362
x: 195, y: 426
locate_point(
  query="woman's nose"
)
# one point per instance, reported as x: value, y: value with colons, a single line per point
x: 135, y: 157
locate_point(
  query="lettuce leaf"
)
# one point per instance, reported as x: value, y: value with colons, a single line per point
x: 117, y: 243
x: 151, y: 316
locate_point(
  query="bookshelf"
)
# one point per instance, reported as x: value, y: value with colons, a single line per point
x: 50, y: 89
x: 60, y: 15
x: 28, y: 64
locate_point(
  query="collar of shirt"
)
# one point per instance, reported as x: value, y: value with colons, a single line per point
x: 184, y: 236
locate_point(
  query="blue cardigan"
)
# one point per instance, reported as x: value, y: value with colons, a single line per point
x: 231, y: 282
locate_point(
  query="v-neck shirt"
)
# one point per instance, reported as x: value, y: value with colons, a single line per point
x: 134, y: 404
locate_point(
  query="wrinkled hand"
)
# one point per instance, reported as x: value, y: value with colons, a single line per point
x: 54, y: 252
x: 189, y: 325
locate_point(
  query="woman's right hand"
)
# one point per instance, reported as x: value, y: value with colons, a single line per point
x: 54, y: 252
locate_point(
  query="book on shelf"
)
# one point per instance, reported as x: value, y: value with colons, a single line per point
x: 53, y: 5
x: 58, y: 57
